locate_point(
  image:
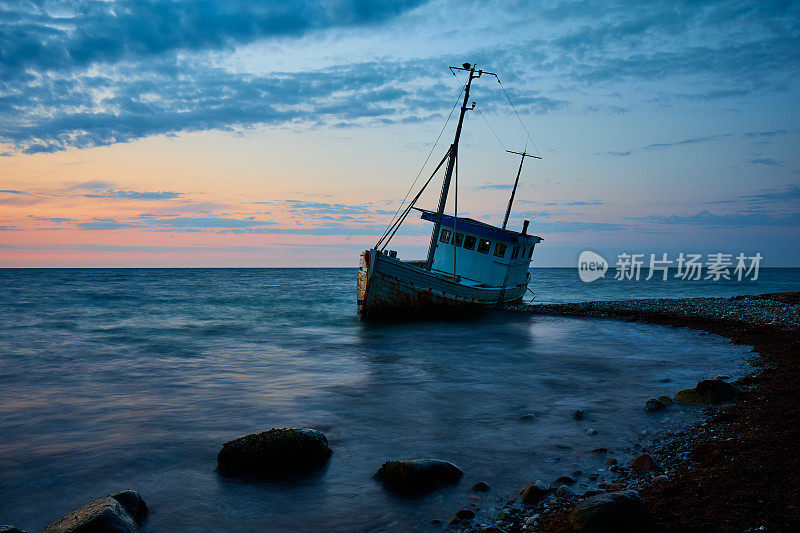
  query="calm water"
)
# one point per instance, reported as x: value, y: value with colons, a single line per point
x: 117, y: 378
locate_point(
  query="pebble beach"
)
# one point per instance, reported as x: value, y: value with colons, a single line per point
x: 734, y: 471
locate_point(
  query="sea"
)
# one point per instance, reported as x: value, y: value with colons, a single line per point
x: 134, y: 378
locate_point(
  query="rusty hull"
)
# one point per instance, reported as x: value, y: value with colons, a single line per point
x: 390, y: 289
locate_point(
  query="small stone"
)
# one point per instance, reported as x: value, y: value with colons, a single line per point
x: 600, y: 450
x: 660, y: 479
x: 566, y: 479
x: 527, y: 417
x: 666, y: 400
x: 591, y: 432
x: 480, y: 486
x: 577, y: 414
x: 722, y: 377
x: 503, y: 515
x: 534, y: 491
x: 436, y: 522
x: 644, y: 462
x: 564, y: 492
x: 653, y: 405
x: 462, y: 515
x: 613, y: 511
x: 532, y: 521
x: 416, y: 476
x: 611, y: 461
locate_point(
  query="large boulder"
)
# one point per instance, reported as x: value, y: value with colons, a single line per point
x: 275, y: 454
x: 123, y: 512
x: 534, y: 492
x: 609, y: 512
x: 709, y: 391
x: 417, y: 476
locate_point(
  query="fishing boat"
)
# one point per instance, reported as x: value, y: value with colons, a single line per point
x: 471, y: 266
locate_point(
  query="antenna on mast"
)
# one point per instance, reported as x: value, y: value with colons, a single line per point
x: 524, y: 154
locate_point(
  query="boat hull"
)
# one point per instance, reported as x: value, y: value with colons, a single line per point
x: 390, y: 289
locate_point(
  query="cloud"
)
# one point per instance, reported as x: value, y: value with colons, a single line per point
x: 51, y: 219
x: 494, y: 186
x: 100, y: 224
x: 11, y: 191
x: 765, y: 161
x: 90, y: 185
x: 204, y: 222
x: 619, y: 154
x: 115, y: 71
x: 772, y: 133
x: 305, y: 207
x: 693, y: 140
x: 60, y: 35
x: 771, y: 196
x: 134, y: 195
x: 574, y: 227
x: 579, y: 202
x: 739, y: 219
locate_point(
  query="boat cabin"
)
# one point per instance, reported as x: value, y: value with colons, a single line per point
x: 481, y: 254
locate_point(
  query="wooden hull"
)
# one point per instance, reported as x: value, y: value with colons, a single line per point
x: 392, y: 289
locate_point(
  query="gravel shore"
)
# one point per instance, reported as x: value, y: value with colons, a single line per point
x: 735, y: 472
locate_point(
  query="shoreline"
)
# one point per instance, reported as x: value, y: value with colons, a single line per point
x: 737, y: 470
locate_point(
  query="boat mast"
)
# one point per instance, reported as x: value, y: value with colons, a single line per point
x: 524, y: 154
x: 453, y: 154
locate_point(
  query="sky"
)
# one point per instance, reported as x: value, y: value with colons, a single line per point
x: 271, y: 133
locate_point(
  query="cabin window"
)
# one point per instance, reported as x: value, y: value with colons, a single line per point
x: 483, y: 246
x: 530, y: 253
x: 445, y: 236
x: 499, y: 250
x: 458, y: 240
x: 515, y: 252
x: 469, y: 242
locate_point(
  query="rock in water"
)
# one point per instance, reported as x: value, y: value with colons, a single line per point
x: 609, y: 512
x: 709, y: 391
x: 577, y: 414
x: 10, y: 529
x: 461, y: 516
x: 653, y: 405
x: 534, y: 491
x: 666, y: 400
x: 564, y: 492
x: 123, y: 512
x: 275, y: 454
x: 480, y: 486
x: 417, y: 476
x: 644, y: 462
x: 133, y: 503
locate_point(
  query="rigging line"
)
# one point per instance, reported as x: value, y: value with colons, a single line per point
x: 435, y: 143
x: 455, y: 218
x: 491, y: 128
x: 407, y: 210
x: 530, y: 138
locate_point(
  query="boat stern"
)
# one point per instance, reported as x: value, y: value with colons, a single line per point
x: 365, y: 263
